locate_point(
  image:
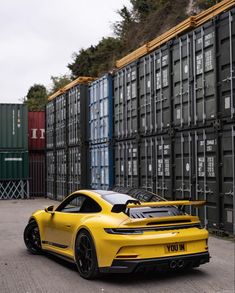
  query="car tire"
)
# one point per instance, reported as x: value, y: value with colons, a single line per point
x: 32, y: 238
x: 85, y: 255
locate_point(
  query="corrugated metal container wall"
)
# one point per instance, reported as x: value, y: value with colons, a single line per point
x: 60, y: 124
x: 77, y: 100
x: 154, y: 92
x: 100, y: 110
x: 61, y: 174
x: 227, y: 176
x: 127, y: 164
x: 101, y: 166
x: 36, y: 130
x: 156, y: 165
x: 205, y: 142
x: 50, y: 174
x: 13, y: 126
x: 36, y: 174
x: 77, y: 114
x: 125, y: 102
x: 50, y: 123
x: 188, y: 82
x: 77, y: 169
x: 226, y: 64
x: 14, y: 165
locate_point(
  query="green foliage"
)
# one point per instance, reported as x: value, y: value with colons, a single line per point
x: 96, y: 60
x: 142, y: 8
x: 204, y: 4
x: 36, y: 97
x: 59, y: 82
x: 121, y: 27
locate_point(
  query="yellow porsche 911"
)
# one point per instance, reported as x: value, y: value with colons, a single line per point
x: 105, y: 231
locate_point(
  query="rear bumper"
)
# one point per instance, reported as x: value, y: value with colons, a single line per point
x: 163, y: 263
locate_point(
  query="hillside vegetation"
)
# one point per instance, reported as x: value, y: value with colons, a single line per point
x: 142, y: 22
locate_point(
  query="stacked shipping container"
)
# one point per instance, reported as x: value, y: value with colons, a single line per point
x: 13, y: 151
x: 36, y: 143
x: 174, y: 120
x: 66, y: 133
x: 100, y: 134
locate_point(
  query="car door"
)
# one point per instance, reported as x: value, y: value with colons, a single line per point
x: 62, y: 225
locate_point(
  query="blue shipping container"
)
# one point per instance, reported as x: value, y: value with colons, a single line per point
x: 101, y: 166
x: 100, y: 110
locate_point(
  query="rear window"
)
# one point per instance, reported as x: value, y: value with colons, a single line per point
x: 117, y: 198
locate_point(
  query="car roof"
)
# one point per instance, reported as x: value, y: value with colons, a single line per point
x: 104, y: 192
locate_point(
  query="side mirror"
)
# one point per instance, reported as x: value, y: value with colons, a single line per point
x: 49, y: 209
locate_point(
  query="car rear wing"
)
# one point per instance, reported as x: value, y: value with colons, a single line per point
x: 131, y: 204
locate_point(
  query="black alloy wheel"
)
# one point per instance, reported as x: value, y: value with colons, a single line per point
x: 85, y: 255
x: 32, y: 238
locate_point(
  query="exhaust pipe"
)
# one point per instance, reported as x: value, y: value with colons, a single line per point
x: 180, y: 263
x: 173, y: 264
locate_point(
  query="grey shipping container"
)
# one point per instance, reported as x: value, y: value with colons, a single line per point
x: 196, y: 164
x: 227, y: 178
x: 154, y: 91
x: 77, y: 99
x: 126, y: 164
x: 13, y: 126
x: 101, y: 166
x: 50, y: 174
x: 60, y: 121
x: 61, y: 174
x: 125, y: 102
x: 188, y: 82
x: 77, y: 168
x: 156, y: 165
x: 100, y: 110
x: 50, y: 124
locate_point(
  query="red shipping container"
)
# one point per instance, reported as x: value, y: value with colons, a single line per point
x: 36, y: 130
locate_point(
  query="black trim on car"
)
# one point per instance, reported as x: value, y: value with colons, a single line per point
x: 163, y: 263
x: 54, y: 244
x: 140, y: 230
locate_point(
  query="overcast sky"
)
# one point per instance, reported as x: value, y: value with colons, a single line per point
x: 38, y: 38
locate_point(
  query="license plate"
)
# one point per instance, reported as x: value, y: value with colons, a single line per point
x: 175, y: 247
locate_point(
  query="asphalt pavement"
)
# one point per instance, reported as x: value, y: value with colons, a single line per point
x: 25, y: 273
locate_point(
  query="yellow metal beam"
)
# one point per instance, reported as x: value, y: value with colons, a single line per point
x: 183, y: 27
x: 79, y: 80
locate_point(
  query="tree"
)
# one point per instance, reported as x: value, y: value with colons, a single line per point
x: 58, y: 82
x: 98, y: 59
x: 204, y: 4
x: 121, y: 27
x: 36, y: 97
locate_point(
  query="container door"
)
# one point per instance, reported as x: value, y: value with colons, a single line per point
x: 163, y: 169
x: 183, y: 162
x: 161, y: 87
x: 227, y: 153
x: 205, y: 104
x: 147, y: 164
x: 182, y: 91
x: 206, y: 176
x: 226, y: 64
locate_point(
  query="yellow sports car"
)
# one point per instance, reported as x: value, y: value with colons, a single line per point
x: 105, y: 231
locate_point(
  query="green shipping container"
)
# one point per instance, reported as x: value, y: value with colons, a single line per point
x: 13, y: 126
x: 14, y: 165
